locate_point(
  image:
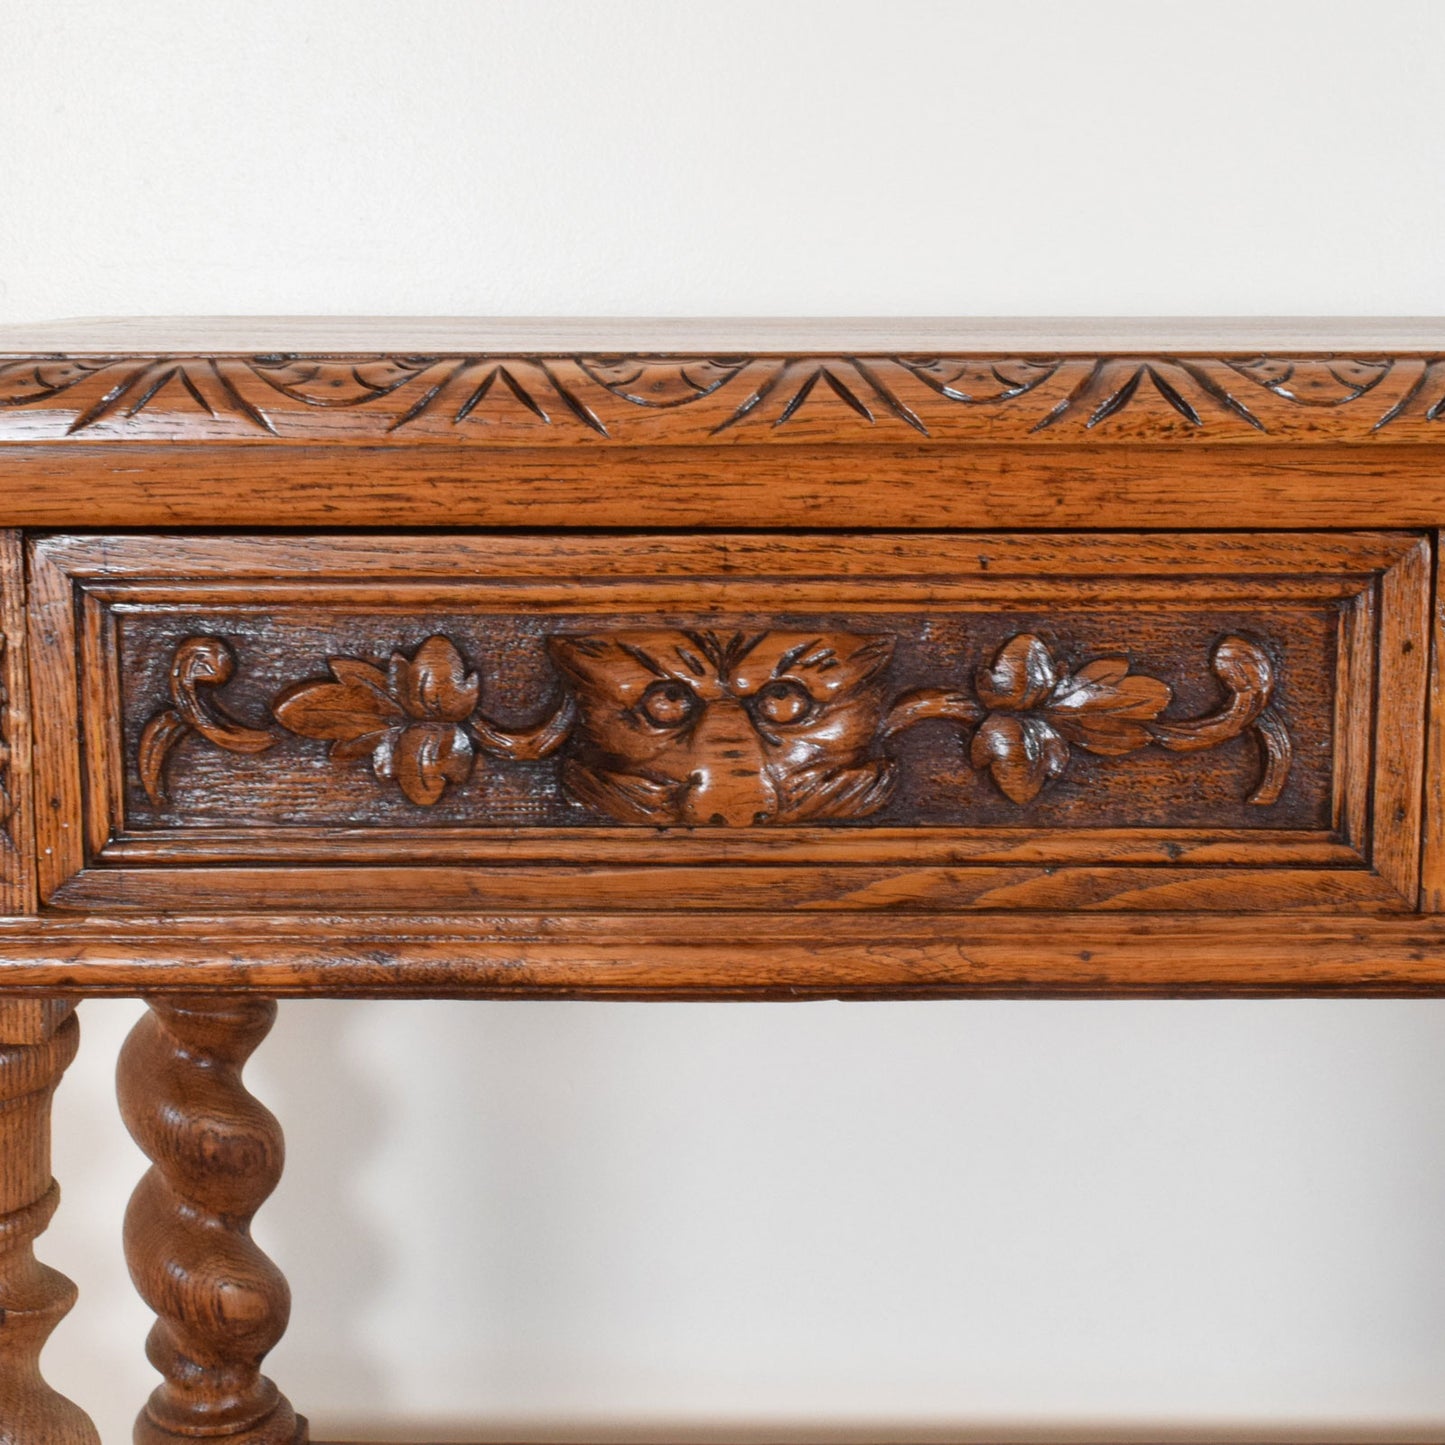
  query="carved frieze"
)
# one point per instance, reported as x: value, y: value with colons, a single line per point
x: 564, y: 400
x: 725, y: 728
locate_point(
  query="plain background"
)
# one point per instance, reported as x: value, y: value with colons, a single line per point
x: 962, y: 1218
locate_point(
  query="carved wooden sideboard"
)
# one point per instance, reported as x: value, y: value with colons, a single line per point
x: 739, y: 660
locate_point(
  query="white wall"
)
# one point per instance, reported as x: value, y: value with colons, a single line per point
x: 581, y: 1218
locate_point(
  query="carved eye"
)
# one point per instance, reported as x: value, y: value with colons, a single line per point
x: 783, y: 703
x: 668, y: 704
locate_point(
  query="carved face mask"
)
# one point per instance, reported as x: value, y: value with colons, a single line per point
x: 710, y: 729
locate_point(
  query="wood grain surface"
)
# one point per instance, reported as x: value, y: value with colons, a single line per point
x: 725, y: 955
x: 822, y: 489
x: 1015, y: 513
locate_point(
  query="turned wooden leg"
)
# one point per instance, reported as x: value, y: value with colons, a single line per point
x: 216, y: 1155
x: 38, y: 1038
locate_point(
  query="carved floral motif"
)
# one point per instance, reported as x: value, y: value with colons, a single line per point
x: 680, y: 727
x: 415, y: 720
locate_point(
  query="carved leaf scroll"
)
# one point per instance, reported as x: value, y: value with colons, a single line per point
x: 1037, y: 711
x: 697, y: 728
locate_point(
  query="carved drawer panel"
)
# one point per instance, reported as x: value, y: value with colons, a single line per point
x: 928, y: 722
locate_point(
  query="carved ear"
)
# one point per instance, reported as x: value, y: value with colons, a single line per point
x: 869, y: 659
x: 582, y: 660
x: 621, y: 668
x: 842, y: 672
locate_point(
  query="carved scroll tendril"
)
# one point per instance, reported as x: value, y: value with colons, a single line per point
x: 199, y: 662
x: 924, y: 704
x: 1246, y: 671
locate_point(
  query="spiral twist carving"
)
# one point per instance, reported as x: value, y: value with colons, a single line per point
x: 217, y: 1154
x: 33, y: 1297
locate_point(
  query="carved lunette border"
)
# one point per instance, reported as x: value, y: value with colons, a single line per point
x: 421, y: 724
x: 571, y: 400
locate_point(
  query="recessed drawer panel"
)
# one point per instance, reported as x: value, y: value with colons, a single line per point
x: 926, y: 722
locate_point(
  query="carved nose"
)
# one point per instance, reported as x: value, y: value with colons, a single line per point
x: 727, y: 801
x: 729, y: 788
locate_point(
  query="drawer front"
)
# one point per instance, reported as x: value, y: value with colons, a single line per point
x: 920, y: 722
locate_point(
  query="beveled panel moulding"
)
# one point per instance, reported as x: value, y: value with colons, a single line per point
x: 755, y: 721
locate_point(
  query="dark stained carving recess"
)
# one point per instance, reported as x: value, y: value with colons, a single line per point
x: 697, y: 399
x: 697, y: 727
